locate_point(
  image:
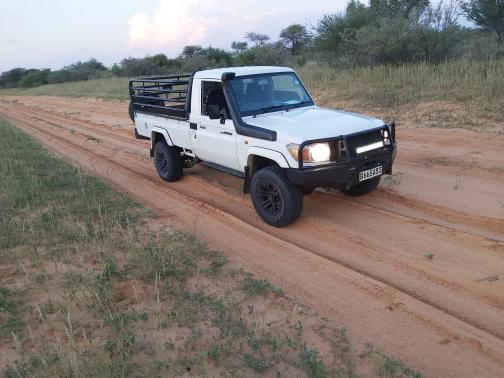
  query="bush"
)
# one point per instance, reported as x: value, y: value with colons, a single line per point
x: 477, y: 44
x: 150, y: 65
x: 397, y: 32
x: 84, y: 70
x: 268, y: 55
x: 390, y: 41
x: 11, y: 78
x: 34, y: 78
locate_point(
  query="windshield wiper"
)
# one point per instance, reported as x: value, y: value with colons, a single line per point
x: 300, y: 104
x: 264, y: 110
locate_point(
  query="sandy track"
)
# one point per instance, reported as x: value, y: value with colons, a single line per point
x: 360, y: 262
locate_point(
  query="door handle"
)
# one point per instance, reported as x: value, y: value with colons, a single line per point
x: 202, y: 127
x: 226, y: 133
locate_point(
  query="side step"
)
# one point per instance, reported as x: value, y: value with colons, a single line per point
x: 225, y: 169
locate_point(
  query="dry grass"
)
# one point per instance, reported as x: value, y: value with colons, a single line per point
x: 110, y: 89
x: 389, y: 86
x: 457, y: 94
x: 88, y: 288
x: 466, y: 94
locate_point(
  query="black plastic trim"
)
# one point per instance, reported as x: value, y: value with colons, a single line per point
x: 243, y: 128
x: 189, y: 94
x: 193, y: 126
x: 227, y: 170
x: 341, y: 174
x: 344, y: 138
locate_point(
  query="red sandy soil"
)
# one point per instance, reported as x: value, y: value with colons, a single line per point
x: 363, y: 262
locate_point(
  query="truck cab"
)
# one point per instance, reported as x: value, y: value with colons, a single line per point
x: 260, y: 123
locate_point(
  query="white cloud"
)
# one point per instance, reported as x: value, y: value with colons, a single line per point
x: 217, y: 22
x: 169, y: 25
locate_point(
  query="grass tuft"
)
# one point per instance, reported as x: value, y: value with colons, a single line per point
x: 91, y: 291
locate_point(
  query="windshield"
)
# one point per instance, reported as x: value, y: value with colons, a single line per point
x: 264, y: 93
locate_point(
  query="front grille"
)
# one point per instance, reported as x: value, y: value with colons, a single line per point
x: 363, y: 139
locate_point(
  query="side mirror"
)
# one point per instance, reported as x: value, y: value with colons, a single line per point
x: 223, y: 119
x: 213, y: 111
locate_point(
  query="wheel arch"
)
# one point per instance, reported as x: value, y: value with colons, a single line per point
x: 158, y: 134
x: 258, y: 158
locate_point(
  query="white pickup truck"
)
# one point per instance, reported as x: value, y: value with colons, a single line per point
x: 260, y: 123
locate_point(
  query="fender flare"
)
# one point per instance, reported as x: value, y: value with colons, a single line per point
x: 276, y: 156
x: 164, y: 133
x: 273, y: 155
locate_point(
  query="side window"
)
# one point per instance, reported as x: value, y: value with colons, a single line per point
x: 212, y: 96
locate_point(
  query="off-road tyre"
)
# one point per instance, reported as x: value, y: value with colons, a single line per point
x: 168, y: 162
x: 277, y: 201
x: 363, y: 188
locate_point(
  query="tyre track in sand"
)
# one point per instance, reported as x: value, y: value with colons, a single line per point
x: 404, y: 311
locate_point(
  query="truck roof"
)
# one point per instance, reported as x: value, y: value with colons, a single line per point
x: 240, y: 71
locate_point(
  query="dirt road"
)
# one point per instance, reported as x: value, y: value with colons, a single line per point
x: 416, y: 267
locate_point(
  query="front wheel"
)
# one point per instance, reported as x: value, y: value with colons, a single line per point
x: 168, y: 162
x: 277, y: 201
x: 362, y: 188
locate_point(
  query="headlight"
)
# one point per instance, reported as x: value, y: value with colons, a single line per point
x: 319, y: 152
x: 312, y: 153
x: 386, y: 137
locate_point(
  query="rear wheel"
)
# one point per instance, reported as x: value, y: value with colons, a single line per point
x: 168, y: 162
x: 277, y: 201
x: 362, y: 188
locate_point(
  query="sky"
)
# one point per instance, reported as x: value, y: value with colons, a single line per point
x: 55, y: 33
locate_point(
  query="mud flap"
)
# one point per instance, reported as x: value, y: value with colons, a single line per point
x: 138, y: 136
x: 246, y: 181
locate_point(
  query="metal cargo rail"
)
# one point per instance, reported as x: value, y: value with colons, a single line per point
x: 161, y: 96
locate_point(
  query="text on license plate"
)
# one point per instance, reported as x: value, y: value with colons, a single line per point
x: 370, y: 173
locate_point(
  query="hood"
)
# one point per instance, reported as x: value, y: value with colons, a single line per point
x: 312, y: 122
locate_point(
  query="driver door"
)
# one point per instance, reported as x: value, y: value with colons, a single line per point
x: 214, y: 140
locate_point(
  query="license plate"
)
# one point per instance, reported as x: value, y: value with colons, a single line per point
x: 370, y: 173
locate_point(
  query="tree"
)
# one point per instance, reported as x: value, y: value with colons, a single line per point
x: 34, y: 78
x: 294, y: 37
x: 239, y: 47
x: 84, y: 70
x: 266, y: 55
x: 256, y: 38
x: 217, y: 57
x: 191, y: 51
x: 488, y: 15
x: 160, y: 60
x: 404, y: 8
x: 334, y: 30
x: 12, y: 77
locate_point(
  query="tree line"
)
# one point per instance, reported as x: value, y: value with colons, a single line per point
x: 382, y: 32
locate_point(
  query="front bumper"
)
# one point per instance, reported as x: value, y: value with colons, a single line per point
x: 341, y: 174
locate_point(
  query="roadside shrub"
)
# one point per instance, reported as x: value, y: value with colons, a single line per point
x: 268, y: 55
x: 34, y: 78
x: 150, y: 65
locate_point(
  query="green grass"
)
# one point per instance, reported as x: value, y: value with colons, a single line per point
x: 109, y: 88
x: 88, y: 289
x: 387, y: 366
